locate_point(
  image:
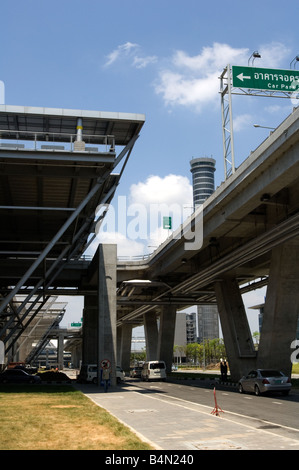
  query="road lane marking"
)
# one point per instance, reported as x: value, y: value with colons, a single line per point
x: 164, y: 399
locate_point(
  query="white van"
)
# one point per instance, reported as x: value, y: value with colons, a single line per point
x: 89, y: 373
x: 153, y: 370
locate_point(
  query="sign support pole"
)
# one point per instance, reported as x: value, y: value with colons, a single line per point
x: 250, y: 81
x: 227, y: 122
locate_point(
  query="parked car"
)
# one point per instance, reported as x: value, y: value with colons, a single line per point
x: 153, y: 370
x: 18, y: 376
x: 135, y: 372
x: 89, y: 373
x: 265, y: 380
x: 120, y: 374
x: 28, y: 369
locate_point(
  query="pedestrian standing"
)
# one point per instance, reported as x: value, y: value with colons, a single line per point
x: 225, y: 371
x: 106, y: 377
x: 222, y: 370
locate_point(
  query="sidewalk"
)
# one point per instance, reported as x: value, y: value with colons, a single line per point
x: 169, y: 423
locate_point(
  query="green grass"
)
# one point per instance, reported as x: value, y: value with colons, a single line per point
x: 58, y: 417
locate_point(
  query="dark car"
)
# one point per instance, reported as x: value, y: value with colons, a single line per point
x: 18, y: 376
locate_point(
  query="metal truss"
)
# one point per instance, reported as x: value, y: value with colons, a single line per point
x: 227, y: 122
x: 44, y: 340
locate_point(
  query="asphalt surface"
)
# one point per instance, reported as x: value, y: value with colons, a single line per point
x: 172, y: 417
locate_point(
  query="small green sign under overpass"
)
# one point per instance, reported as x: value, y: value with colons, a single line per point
x: 167, y: 223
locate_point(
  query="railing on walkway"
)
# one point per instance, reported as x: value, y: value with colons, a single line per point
x: 50, y: 141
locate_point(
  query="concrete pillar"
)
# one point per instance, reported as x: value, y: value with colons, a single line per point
x: 107, y: 306
x: 124, y: 341
x: 281, y: 309
x: 60, y: 349
x: 99, y: 315
x: 76, y: 358
x: 90, y: 330
x: 237, y: 336
x: 166, y: 335
x: 151, y: 335
x: 118, y: 344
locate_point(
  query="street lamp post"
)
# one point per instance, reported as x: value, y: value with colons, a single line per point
x: 294, y: 61
x: 254, y: 55
x: 264, y: 127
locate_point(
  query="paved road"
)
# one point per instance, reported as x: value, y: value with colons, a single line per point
x: 178, y: 416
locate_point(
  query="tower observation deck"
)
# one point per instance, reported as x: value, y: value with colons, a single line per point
x: 202, y: 170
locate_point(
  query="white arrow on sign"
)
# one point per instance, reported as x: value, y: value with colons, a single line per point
x: 242, y: 77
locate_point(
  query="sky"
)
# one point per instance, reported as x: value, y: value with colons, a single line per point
x: 157, y: 58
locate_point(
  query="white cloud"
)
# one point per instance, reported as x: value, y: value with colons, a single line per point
x: 193, y: 81
x: 171, y: 196
x: 242, y: 121
x: 136, y: 222
x: 272, y: 55
x: 169, y: 190
x: 211, y: 59
x: 183, y: 90
x: 125, y: 246
x: 130, y: 51
x: 119, y: 52
x: 142, y: 62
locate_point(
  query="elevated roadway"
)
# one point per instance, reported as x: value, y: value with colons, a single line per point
x: 247, y: 237
x: 250, y: 238
x: 252, y: 212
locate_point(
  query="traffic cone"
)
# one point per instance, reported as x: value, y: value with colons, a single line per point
x: 217, y: 408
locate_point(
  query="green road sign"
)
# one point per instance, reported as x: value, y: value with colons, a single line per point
x: 167, y: 222
x: 265, y: 79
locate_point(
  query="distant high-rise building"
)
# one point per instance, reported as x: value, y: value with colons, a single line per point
x: 208, y: 322
x: 203, y: 180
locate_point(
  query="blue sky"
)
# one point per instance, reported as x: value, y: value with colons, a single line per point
x: 60, y: 54
x: 160, y: 58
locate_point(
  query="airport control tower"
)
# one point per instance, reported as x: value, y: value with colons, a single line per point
x: 203, y: 181
x: 203, y: 169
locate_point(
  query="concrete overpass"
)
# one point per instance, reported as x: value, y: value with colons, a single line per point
x: 250, y: 229
x: 250, y: 239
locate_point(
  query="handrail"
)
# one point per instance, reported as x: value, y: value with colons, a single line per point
x: 54, y: 138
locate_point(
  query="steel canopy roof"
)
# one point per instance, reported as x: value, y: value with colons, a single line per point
x: 41, y: 185
x: 51, y: 183
x: 24, y: 119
